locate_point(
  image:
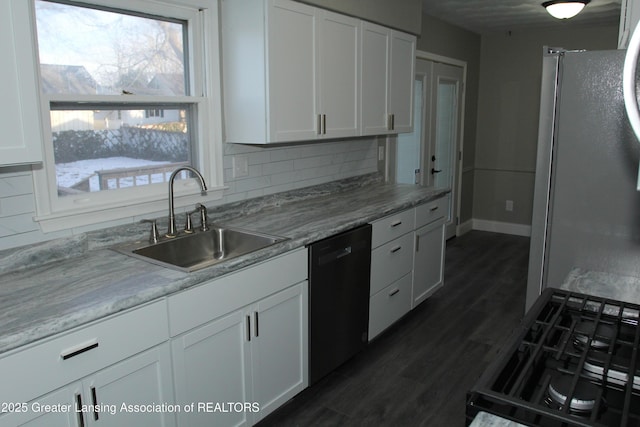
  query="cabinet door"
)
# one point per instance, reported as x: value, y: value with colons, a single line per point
x: 121, y: 390
x: 428, y: 261
x: 212, y: 364
x: 34, y: 414
x: 374, y: 91
x: 292, y: 28
x: 280, y: 347
x: 401, y: 77
x: 19, y: 118
x: 338, y: 73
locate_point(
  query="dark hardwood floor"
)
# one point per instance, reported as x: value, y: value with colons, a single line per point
x: 417, y: 372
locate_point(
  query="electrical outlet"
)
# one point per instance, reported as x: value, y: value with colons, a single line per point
x: 240, y: 166
x: 509, y: 206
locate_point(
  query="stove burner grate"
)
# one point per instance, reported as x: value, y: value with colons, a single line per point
x: 567, y: 365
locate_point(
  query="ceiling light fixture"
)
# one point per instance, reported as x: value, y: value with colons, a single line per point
x: 564, y: 9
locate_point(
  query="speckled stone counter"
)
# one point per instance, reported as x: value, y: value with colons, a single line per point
x: 604, y: 285
x: 484, y: 419
x: 54, y: 286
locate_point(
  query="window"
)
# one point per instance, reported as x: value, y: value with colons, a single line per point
x: 127, y: 90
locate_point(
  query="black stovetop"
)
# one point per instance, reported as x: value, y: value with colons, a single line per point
x: 567, y: 364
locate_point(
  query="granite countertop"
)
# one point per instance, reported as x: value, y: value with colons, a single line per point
x: 484, y: 419
x: 603, y: 284
x: 55, y: 286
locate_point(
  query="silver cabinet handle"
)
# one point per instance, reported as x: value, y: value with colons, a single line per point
x: 396, y: 223
x: 82, y: 348
x: 393, y: 292
x: 393, y: 122
x: 396, y: 249
x: 322, y: 124
x: 248, y: 328
x: 433, y: 209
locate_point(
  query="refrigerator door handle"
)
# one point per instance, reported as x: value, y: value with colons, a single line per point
x: 629, y: 81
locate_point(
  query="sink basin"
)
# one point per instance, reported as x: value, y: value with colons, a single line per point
x: 202, y: 249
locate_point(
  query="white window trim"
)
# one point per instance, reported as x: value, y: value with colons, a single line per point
x: 130, y: 203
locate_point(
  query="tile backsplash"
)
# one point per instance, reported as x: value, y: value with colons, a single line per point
x: 271, y: 169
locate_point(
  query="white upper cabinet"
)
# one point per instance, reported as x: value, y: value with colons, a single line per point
x: 388, y: 67
x: 338, y: 73
x: 20, y: 142
x: 290, y: 72
x: 290, y: 86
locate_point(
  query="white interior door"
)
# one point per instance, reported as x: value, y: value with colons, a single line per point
x: 444, y: 156
x: 409, y: 146
x: 429, y: 155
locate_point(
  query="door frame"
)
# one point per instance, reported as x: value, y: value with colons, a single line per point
x: 388, y: 144
x: 457, y: 192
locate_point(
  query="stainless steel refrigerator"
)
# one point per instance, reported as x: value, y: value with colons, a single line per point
x: 586, y: 211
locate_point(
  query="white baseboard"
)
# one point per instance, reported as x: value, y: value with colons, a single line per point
x: 465, y: 227
x: 500, y: 227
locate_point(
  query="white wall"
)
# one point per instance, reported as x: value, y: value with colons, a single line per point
x: 271, y: 170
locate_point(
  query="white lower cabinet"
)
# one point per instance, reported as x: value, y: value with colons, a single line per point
x: 407, y: 262
x: 389, y: 305
x: 212, y: 365
x: 391, y: 263
x: 428, y: 259
x: 135, y: 392
x: 428, y: 266
x: 110, y: 373
x: 240, y: 366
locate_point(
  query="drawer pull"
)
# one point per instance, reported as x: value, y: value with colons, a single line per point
x: 396, y: 249
x: 433, y: 209
x: 82, y: 348
x: 396, y: 223
x: 248, y: 328
x: 393, y: 292
x: 94, y: 397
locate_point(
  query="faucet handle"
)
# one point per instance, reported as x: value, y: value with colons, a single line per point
x: 188, y: 225
x: 154, y: 236
x: 204, y: 221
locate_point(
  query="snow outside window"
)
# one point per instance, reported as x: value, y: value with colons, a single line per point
x: 127, y: 98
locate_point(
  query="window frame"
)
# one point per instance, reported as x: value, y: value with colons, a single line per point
x: 58, y: 213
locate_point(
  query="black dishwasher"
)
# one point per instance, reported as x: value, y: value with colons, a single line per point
x: 339, y: 273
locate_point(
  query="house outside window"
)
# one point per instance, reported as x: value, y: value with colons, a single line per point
x: 128, y: 92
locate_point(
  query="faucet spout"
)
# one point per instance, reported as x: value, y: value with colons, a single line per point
x: 172, y: 232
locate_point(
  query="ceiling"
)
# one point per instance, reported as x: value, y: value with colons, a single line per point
x: 487, y: 16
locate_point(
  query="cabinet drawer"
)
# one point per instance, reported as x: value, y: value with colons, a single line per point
x: 390, y: 262
x: 432, y: 211
x: 199, y: 305
x: 391, y: 227
x: 83, y: 351
x: 389, y: 305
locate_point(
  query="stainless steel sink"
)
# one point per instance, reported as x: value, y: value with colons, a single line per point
x: 202, y: 249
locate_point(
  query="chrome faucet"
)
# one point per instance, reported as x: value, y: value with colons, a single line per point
x: 172, y: 232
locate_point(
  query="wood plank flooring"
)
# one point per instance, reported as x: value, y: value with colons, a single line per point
x: 417, y: 372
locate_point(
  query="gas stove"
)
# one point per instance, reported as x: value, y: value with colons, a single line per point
x: 572, y: 362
